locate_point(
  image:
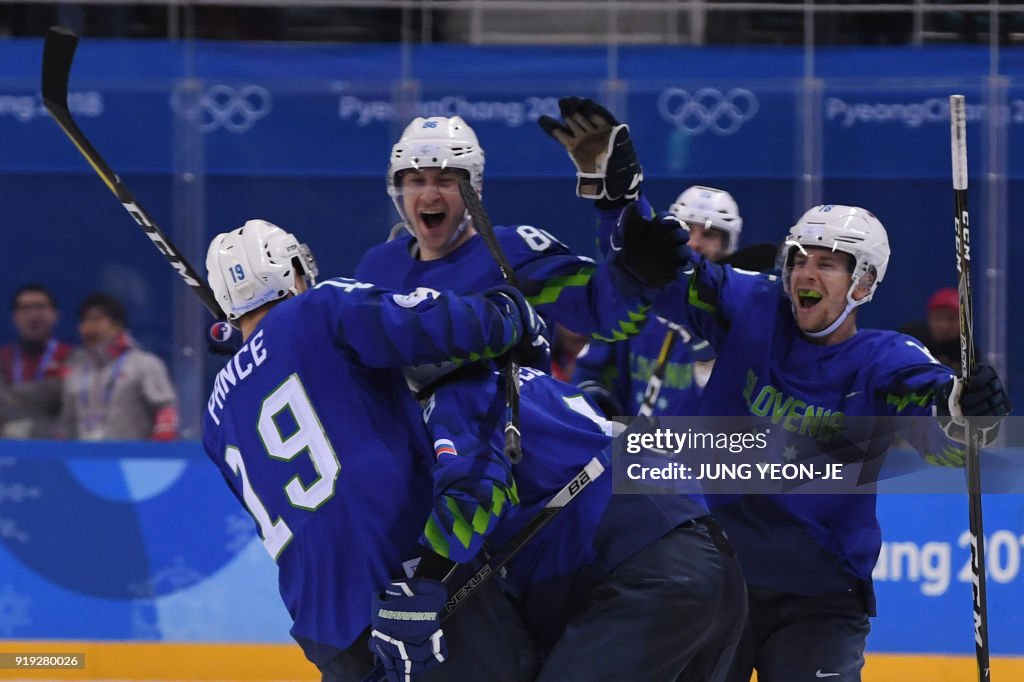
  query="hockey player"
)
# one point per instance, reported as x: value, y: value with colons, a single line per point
x: 328, y: 454
x: 618, y: 587
x: 443, y: 250
x: 618, y: 376
x: 794, y: 340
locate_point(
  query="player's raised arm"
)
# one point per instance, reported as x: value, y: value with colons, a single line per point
x: 387, y: 329
x: 607, y: 168
x: 442, y: 250
x: 916, y: 384
x: 259, y: 264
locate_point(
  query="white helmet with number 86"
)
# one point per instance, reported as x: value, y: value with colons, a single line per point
x: 435, y: 142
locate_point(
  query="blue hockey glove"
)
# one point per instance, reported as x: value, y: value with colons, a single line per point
x: 406, y: 629
x: 983, y: 399
x: 648, y: 252
x: 534, y: 349
x: 607, y: 168
x: 223, y: 339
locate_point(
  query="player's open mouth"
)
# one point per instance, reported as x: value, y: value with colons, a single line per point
x: 432, y: 219
x: 808, y: 298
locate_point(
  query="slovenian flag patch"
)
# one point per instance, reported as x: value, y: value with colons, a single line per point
x: 443, y: 446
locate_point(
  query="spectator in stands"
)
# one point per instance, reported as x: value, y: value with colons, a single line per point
x: 940, y: 331
x: 115, y: 390
x: 32, y: 369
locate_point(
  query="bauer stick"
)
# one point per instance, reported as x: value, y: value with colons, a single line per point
x: 58, y: 54
x: 962, y: 224
x: 546, y: 515
x: 482, y: 223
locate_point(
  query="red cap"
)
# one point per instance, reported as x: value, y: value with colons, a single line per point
x: 944, y: 298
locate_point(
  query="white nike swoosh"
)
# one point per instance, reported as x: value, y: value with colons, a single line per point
x: 818, y: 673
x: 848, y: 395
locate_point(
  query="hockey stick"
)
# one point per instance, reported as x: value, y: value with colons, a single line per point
x: 756, y: 258
x: 482, y: 223
x: 58, y: 54
x: 653, y: 389
x: 962, y: 225
x: 546, y: 515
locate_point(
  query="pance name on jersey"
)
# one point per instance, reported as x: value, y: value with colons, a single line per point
x: 248, y: 357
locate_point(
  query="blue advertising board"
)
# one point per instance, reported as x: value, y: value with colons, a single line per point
x: 144, y: 541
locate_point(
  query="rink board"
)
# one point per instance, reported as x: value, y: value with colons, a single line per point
x: 151, y: 567
x: 266, y: 662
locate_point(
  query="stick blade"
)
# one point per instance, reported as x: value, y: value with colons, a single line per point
x: 58, y: 53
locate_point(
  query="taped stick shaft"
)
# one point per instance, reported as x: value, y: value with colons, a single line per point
x: 962, y: 226
x: 482, y: 223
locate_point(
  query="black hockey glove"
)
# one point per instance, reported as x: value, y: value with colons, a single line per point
x: 534, y: 350
x: 648, y: 253
x: 607, y: 169
x: 983, y: 400
x: 603, y: 398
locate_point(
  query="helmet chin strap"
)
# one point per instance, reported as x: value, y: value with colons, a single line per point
x: 460, y: 229
x: 851, y: 303
x: 835, y: 325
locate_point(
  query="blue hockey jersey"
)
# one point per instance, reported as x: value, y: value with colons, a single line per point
x: 329, y: 455
x: 564, y: 287
x: 802, y: 544
x: 561, y: 432
x: 625, y: 368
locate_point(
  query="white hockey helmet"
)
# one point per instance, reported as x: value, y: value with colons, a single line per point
x: 712, y: 208
x: 436, y: 142
x: 254, y: 265
x: 849, y: 229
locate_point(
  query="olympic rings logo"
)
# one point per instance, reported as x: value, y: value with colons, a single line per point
x: 708, y: 109
x: 222, y: 106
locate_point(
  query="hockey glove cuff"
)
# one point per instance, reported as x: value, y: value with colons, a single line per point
x: 406, y: 629
x: 600, y: 147
x: 983, y: 400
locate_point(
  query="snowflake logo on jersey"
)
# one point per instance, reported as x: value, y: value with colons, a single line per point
x: 414, y: 298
